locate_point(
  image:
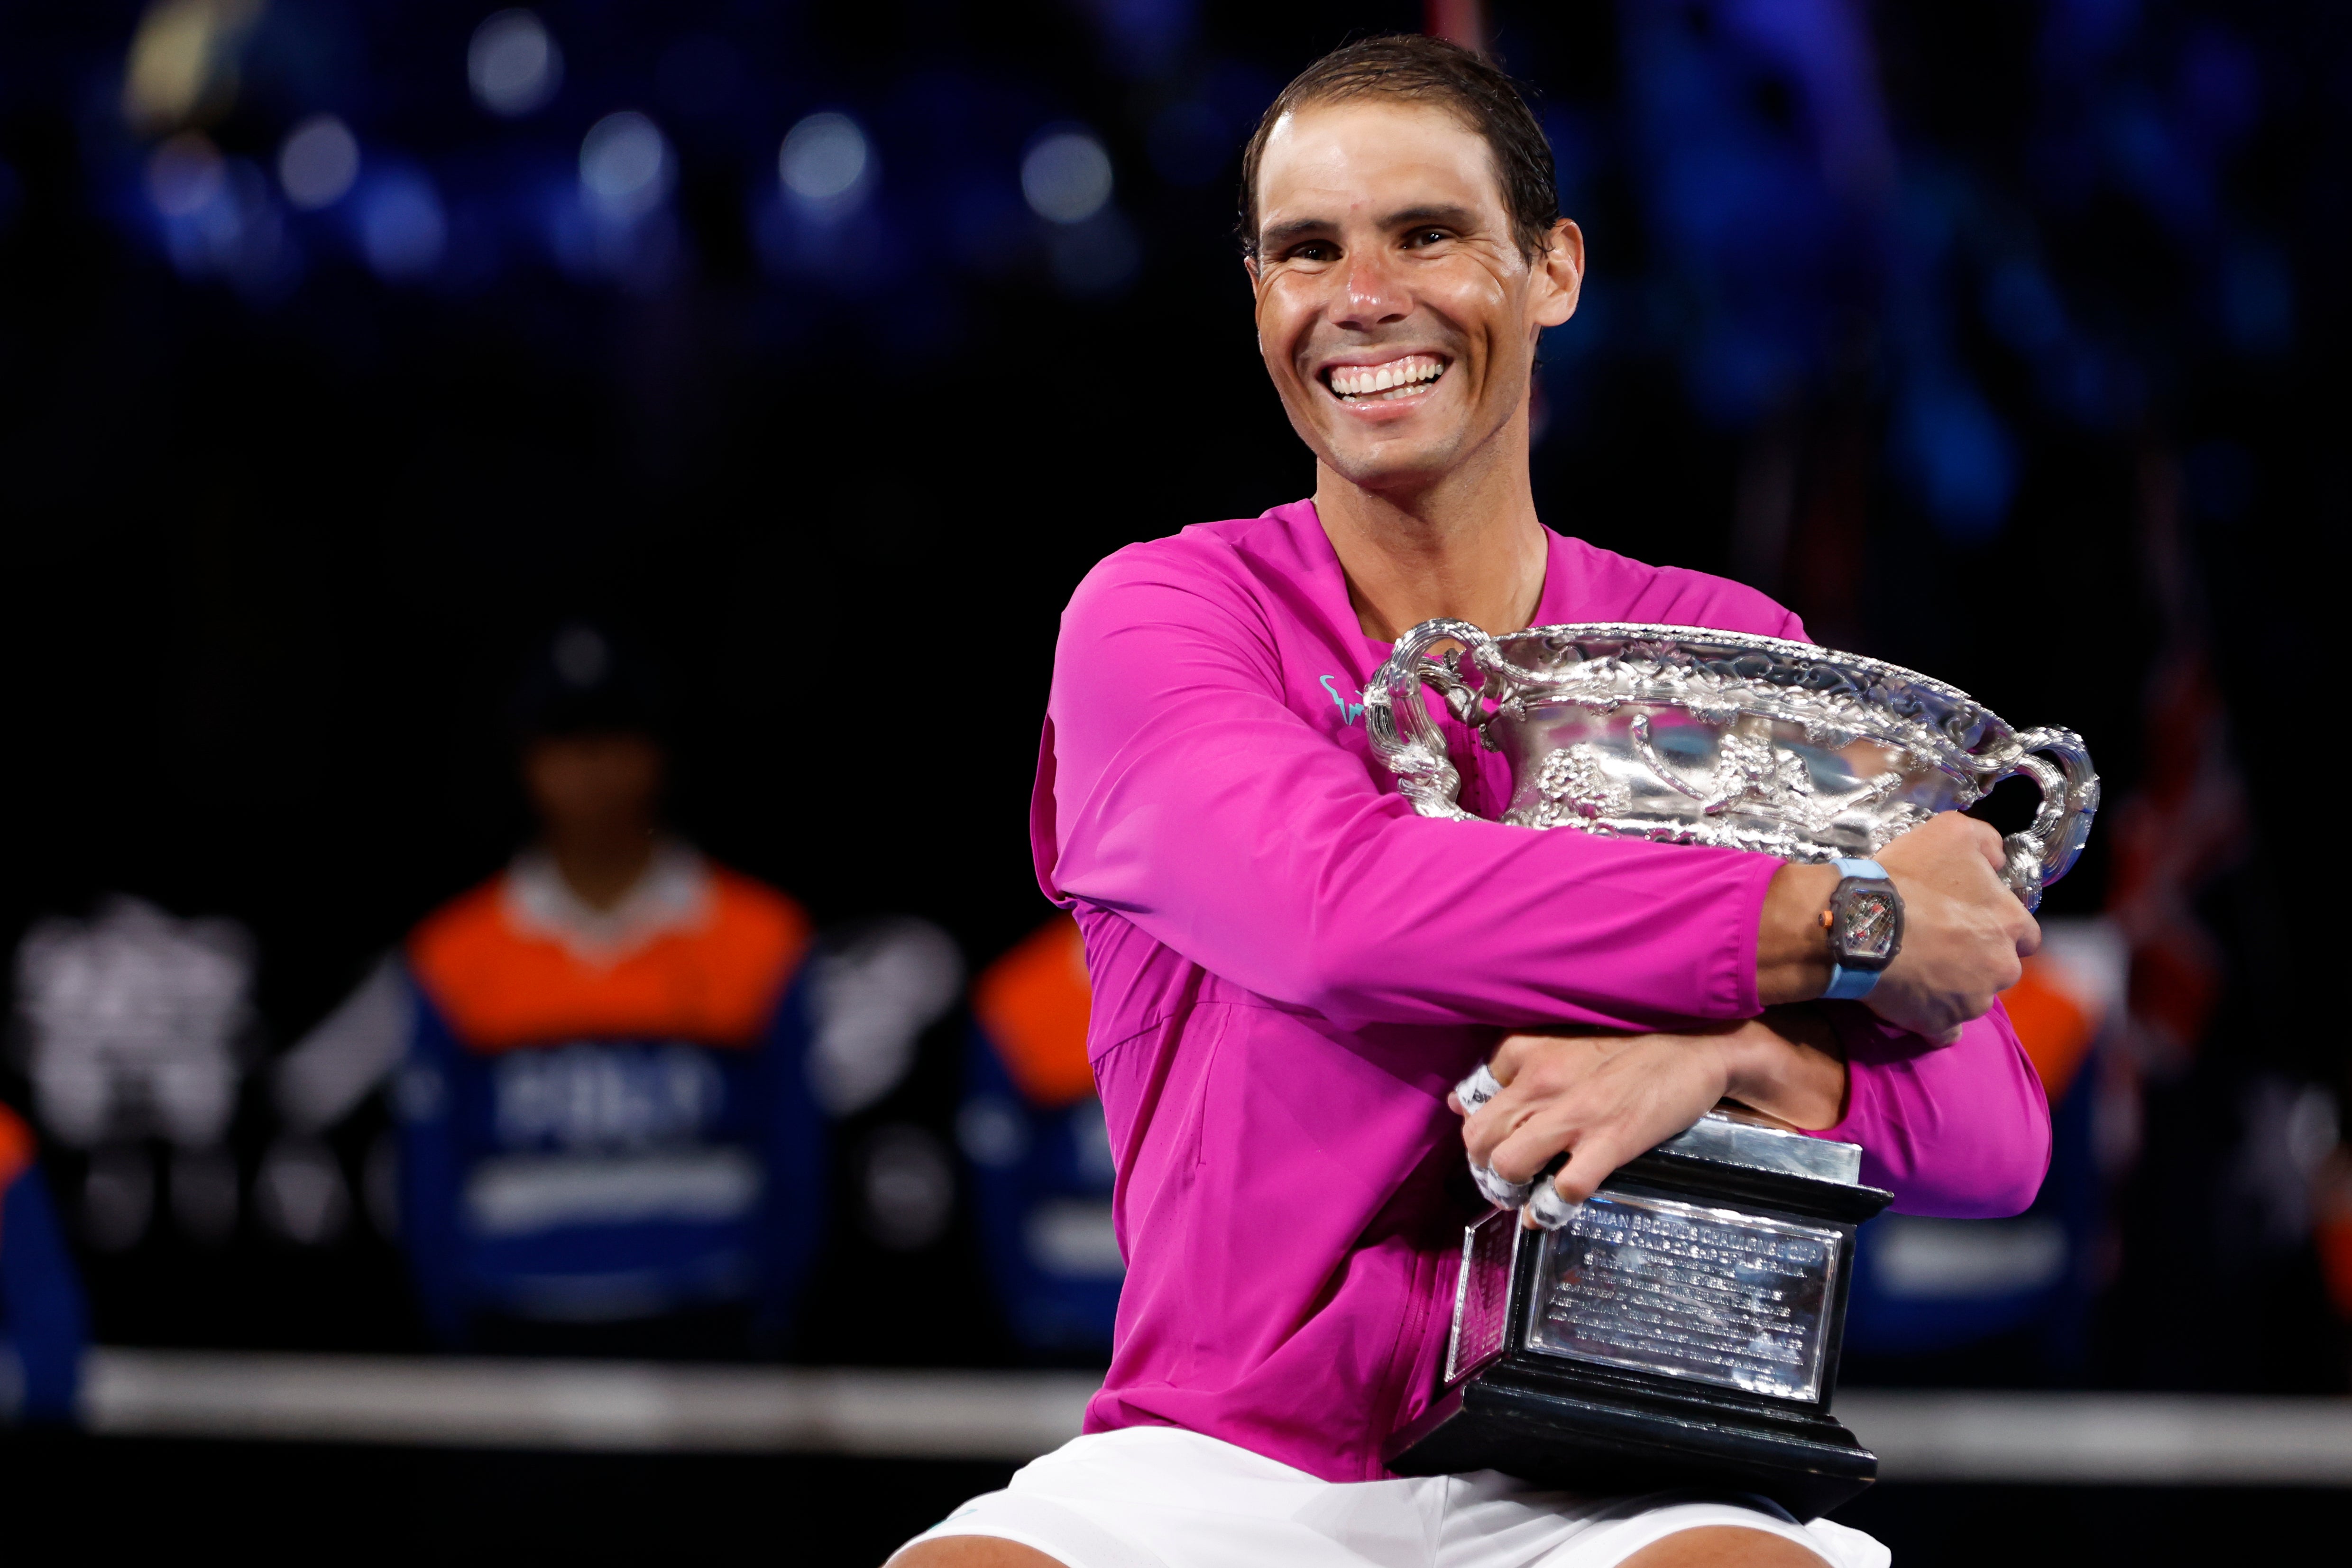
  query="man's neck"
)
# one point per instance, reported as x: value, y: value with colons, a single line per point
x: 1467, y: 547
x: 602, y: 869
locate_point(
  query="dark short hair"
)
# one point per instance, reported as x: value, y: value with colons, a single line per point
x: 1427, y: 70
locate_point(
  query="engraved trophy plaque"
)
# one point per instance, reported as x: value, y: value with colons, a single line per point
x: 1682, y: 1327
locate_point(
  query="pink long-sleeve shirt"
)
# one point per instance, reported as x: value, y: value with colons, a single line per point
x: 1291, y: 968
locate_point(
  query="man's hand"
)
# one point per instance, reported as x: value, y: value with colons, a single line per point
x: 1964, y: 933
x: 1609, y: 1097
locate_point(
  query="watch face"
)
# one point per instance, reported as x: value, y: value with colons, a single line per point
x: 1869, y: 922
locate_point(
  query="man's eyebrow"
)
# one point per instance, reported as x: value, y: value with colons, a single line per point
x: 1297, y: 229
x: 1451, y: 217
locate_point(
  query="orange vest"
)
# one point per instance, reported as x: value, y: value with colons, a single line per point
x: 716, y: 983
x: 16, y: 1147
x: 1032, y: 1003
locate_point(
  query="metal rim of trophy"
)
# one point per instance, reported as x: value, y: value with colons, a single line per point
x: 1718, y: 677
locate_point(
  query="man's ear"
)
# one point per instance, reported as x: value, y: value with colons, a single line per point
x: 1562, y: 280
x: 1249, y: 264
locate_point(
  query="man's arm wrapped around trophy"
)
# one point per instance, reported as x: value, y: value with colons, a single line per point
x: 1191, y: 799
x: 1961, y: 1132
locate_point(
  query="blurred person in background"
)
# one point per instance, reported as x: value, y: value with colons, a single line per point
x: 43, y: 1326
x: 1289, y: 966
x: 1031, y: 1125
x: 608, y: 1075
x: 1937, y: 1300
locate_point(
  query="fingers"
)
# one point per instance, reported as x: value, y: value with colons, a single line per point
x: 1609, y: 1117
x: 1589, y: 1165
x: 1542, y: 1109
x: 1512, y: 1055
x: 1474, y: 1090
x: 1554, y: 1203
x: 1525, y: 1072
x: 1941, y: 845
x: 1490, y: 1126
x: 2029, y: 941
x: 1499, y: 1192
x: 1529, y: 1143
x: 1606, y: 1098
x: 1985, y: 838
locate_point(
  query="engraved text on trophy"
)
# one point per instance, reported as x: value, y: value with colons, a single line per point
x: 1736, y: 1300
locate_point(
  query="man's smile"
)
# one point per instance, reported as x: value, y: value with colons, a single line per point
x: 1396, y: 380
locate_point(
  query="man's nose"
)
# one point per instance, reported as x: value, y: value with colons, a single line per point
x: 1372, y: 292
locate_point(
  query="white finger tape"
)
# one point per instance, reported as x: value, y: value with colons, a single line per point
x: 1477, y: 1089
x: 1548, y: 1209
x: 1498, y: 1191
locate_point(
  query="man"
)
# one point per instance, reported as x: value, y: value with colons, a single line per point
x: 1290, y: 968
x: 614, y: 1064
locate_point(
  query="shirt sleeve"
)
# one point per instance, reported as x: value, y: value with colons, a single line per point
x: 1961, y: 1130
x: 1178, y: 789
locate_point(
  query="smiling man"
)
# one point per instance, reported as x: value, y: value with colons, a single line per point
x: 1290, y: 968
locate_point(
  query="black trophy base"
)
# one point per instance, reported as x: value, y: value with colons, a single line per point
x: 1680, y: 1330
x: 1547, y: 1425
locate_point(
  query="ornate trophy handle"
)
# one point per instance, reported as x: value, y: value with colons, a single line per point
x: 2070, y: 798
x: 1403, y: 734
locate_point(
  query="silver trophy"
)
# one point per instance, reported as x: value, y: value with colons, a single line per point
x: 1694, y: 737
x: 1682, y: 1326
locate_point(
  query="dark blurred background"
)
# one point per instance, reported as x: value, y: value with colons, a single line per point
x: 348, y: 350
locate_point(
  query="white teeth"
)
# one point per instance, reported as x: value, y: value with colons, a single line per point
x: 1413, y: 371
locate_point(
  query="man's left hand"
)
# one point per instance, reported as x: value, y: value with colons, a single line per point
x: 1607, y: 1097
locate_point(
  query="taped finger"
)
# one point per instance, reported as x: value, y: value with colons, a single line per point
x: 1499, y: 1190
x: 1548, y: 1210
x: 1477, y: 1089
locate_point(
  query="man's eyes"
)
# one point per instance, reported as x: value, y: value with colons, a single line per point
x: 1326, y: 250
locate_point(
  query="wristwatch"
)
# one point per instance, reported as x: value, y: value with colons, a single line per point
x: 1865, y: 921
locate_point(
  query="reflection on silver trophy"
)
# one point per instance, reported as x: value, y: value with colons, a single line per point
x: 1694, y: 737
x: 1682, y: 1326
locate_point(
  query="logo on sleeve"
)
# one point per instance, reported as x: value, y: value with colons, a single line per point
x: 1350, y: 712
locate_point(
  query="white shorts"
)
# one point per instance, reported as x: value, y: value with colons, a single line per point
x: 1159, y: 1497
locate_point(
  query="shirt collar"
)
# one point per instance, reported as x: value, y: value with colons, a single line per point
x: 1552, y: 605
x: 674, y: 894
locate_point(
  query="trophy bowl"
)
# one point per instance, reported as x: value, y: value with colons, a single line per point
x: 1687, y: 735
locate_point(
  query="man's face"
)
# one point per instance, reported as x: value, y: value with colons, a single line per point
x: 1395, y: 310
x: 594, y: 787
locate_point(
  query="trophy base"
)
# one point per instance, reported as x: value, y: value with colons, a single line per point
x: 1679, y: 1329
x: 1546, y: 1425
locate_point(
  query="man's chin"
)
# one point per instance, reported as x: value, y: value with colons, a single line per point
x: 1392, y: 468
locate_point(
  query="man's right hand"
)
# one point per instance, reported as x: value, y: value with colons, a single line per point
x: 1964, y: 933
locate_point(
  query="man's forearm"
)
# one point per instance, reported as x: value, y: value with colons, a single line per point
x: 1788, y: 1064
x: 1793, y: 948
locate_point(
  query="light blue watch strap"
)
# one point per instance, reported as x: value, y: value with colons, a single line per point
x: 1853, y: 985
